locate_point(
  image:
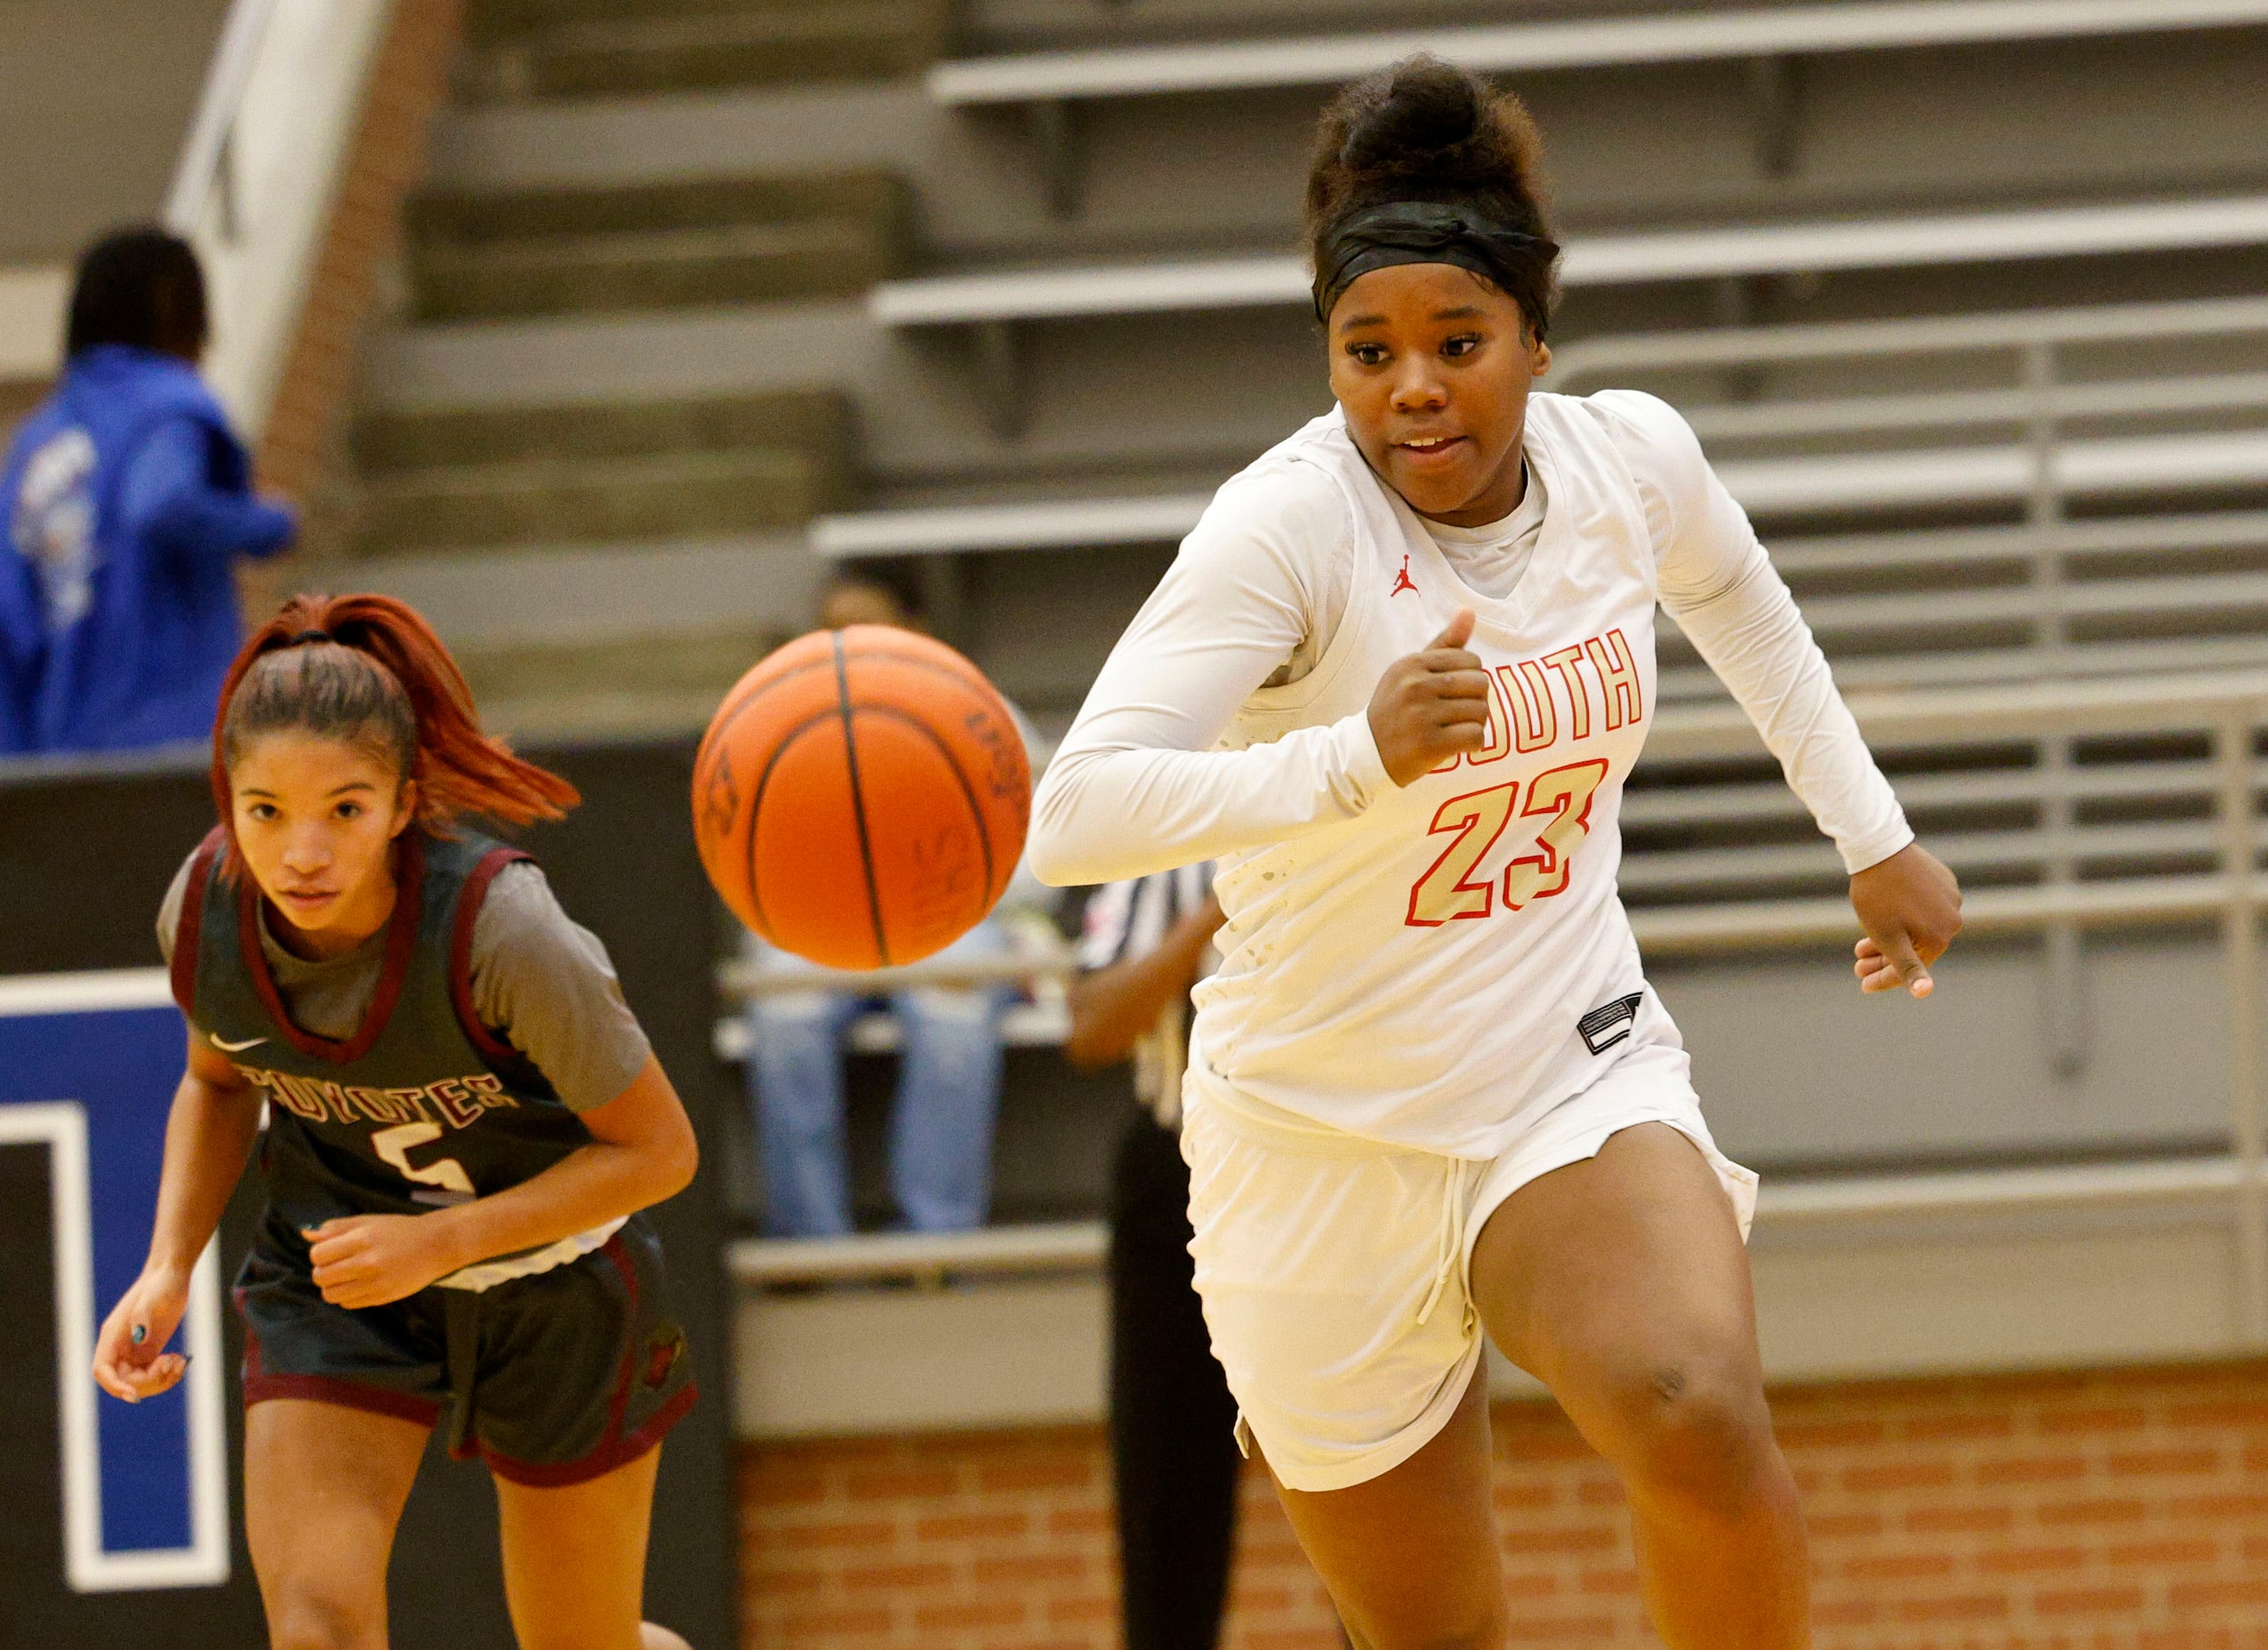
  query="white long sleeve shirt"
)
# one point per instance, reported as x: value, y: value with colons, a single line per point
x: 1231, y: 722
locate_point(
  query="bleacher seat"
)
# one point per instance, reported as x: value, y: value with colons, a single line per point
x: 1899, y: 424
x: 1047, y: 85
x: 1795, y: 486
x: 1619, y: 260
x: 1586, y: 43
x: 1051, y: 524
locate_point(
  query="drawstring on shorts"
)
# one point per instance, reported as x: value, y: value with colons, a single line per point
x: 1449, y: 1251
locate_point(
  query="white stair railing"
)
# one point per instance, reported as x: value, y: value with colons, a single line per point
x: 283, y: 101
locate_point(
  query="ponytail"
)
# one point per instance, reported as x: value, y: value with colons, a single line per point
x: 369, y: 671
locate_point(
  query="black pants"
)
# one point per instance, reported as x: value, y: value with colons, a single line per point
x: 1171, y: 1419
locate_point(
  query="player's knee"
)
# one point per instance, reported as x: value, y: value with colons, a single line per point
x: 1698, y: 1431
x: 302, y: 1618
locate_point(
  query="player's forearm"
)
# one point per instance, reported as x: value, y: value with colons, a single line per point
x: 208, y: 1135
x: 1113, y: 1006
x: 595, y: 1185
x: 1755, y: 639
x: 1106, y: 813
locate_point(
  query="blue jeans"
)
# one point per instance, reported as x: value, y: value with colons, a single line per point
x: 941, y: 1127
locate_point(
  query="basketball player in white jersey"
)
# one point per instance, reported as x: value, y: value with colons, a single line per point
x: 1394, y: 683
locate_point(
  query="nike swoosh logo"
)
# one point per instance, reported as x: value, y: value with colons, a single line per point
x: 234, y: 1047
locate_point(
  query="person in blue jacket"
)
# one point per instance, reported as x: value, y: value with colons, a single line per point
x: 128, y: 500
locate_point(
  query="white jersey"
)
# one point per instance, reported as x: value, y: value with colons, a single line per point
x: 1417, y: 964
x: 1457, y: 930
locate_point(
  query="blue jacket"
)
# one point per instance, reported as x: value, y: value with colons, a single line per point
x: 129, y: 500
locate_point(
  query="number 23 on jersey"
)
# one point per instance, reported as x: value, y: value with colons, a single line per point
x: 1560, y: 797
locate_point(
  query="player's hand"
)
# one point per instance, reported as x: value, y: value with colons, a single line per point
x: 130, y: 1361
x: 1910, y: 905
x: 368, y: 1260
x: 1429, y: 706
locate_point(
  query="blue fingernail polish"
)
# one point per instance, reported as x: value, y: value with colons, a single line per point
x: 141, y: 1333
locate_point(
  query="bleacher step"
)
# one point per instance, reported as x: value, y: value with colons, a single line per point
x: 657, y: 495
x: 655, y: 246
x: 577, y: 49
x: 665, y: 682
x: 668, y: 269
x: 476, y: 215
x: 489, y: 21
x: 816, y: 423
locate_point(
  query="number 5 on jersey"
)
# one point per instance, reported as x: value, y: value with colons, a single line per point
x: 1561, y: 798
x: 393, y: 1144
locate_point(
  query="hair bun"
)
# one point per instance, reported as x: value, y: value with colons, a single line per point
x: 1424, y: 129
x: 1430, y: 110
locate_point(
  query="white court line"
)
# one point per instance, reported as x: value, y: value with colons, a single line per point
x: 61, y: 1126
x: 90, y: 992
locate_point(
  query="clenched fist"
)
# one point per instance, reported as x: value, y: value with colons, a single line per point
x: 1431, y: 706
x: 1910, y: 905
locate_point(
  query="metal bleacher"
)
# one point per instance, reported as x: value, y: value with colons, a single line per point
x: 2004, y: 426
x: 1580, y: 43
x: 1964, y: 412
x: 1961, y: 503
x: 2123, y: 492
x: 1048, y: 86
x: 1628, y: 260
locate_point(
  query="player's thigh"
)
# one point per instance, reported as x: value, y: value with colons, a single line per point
x: 574, y: 1558
x: 1621, y: 1282
x: 1411, y: 1557
x: 323, y: 1490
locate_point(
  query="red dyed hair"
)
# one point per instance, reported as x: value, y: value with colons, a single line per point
x: 369, y: 671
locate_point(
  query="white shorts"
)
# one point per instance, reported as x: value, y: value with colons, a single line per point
x: 1334, y: 1270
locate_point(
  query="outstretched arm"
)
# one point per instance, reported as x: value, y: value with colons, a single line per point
x: 208, y: 1135
x: 167, y: 497
x: 1112, y: 1007
x: 1908, y: 902
x: 1718, y: 583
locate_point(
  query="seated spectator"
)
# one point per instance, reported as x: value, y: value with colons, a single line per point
x: 941, y: 1154
x: 1173, y: 1450
x: 128, y: 502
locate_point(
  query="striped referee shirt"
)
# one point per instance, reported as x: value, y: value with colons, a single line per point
x: 1131, y: 919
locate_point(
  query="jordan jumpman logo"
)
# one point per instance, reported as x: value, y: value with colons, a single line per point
x: 1402, y: 581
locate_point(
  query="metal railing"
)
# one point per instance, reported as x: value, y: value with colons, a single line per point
x: 206, y: 170
x: 1928, y: 370
x: 253, y: 185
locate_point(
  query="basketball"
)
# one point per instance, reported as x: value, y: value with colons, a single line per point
x: 861, y: 796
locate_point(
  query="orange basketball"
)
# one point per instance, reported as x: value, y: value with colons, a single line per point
x: 861, y: 796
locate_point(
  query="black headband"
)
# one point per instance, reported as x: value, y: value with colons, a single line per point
x: 1422, y: 231
x: 305, y: 636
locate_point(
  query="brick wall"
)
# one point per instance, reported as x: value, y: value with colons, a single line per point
x: 2104, y: 1511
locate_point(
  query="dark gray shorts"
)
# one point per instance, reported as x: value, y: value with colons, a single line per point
x: 551, y: 1380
